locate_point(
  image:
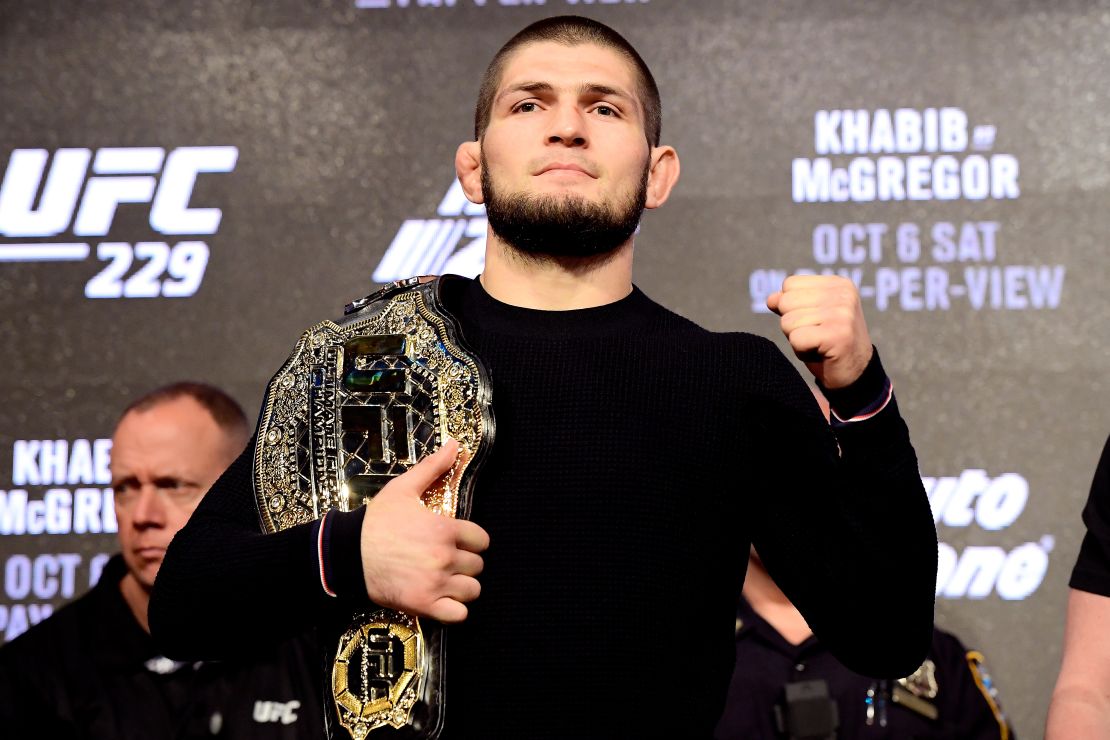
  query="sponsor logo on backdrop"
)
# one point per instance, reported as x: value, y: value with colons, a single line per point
x: 430, y: 4
x: 58, y: 487
x: 975, y: 499
x: 453, y: 242
x: 61, y: 206
x: 905, y: 155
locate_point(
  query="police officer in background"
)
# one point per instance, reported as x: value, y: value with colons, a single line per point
x: 787, y: 685
x: 91, y: 670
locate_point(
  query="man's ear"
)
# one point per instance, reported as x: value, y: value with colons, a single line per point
x: 468, y: 168
x: 662, y: 176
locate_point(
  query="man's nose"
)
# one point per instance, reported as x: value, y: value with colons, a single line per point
x: 149, y: 508
x: 568, y: 126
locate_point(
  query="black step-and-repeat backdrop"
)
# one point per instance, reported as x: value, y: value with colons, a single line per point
x: 186, y: 186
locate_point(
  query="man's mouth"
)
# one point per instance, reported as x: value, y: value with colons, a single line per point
x: 565, y: 167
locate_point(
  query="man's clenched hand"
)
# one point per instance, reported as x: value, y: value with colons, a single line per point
x: 417, y: 561
x: 823, y: 320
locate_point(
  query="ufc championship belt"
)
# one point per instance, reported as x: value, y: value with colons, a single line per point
x: 359, y: 402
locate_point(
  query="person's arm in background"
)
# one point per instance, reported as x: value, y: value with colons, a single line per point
x: 1081, y: 701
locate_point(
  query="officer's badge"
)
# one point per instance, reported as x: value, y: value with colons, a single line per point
x: 923, y: 681
x: 917, y: 690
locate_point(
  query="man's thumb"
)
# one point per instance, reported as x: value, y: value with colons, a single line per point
x: 420, y: 477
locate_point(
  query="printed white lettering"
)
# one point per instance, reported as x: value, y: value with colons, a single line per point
x: 44, y: 462
x: 60, y: 511
x: 993, y: 503
x: 979, y: 570
x: 17, y: 618
x: 170, y: 213
x: 276, y: 711
x: 908, y: 131
x: 59, y: 196
x: 918, y: 177
x: 96, y: 567
x: 120, y: 175
x: 46, y: 576
x: 13, y: 511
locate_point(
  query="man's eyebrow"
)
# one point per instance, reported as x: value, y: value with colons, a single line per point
x: 529, y: 87
x: 588, y: 88
x: 605, y: 90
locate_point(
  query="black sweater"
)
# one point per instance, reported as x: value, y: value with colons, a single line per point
x: 637, y: 457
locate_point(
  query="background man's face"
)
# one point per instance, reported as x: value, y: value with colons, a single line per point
x: 164, y: 460
x: 566, y: 123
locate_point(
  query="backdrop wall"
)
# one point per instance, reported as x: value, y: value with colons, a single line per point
x: 187, y: 186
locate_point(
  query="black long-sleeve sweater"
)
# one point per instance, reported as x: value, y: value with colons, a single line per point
x: 637, y: 457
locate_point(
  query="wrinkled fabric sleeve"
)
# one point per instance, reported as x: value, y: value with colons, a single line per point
x: 843, y: 523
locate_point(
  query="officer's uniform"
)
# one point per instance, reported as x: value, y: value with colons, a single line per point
x: 951, y: 696
x: 90, y: 671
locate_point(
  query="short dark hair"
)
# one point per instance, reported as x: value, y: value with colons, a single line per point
x: 571, y: 30
x: 225, y: 410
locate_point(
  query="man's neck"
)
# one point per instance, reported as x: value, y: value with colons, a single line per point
x: 137, y: 598
x: 769, y: 602
x: 556, y: 284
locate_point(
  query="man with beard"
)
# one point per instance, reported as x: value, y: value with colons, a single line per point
x: 637, y: 455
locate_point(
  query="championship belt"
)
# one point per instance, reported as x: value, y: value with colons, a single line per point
x: 360, y: 401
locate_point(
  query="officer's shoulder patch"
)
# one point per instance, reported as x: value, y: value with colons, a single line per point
x: 976, y: 663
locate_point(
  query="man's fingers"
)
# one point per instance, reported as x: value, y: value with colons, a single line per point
x: 802, y: 291
x: 795, y: 320
x: 773, y: 302
x: 470, y: 537
x: 807, y: 342
x: 420, y: 477
x: 448, y: 611
x: 796, y: 282
x: 462, y: 588
x: 468, y: 563
x: 801, y: 299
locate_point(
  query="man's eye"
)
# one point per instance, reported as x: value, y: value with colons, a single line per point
x: 524, y: 107
x: 605, y: 110
x: 182, y: 494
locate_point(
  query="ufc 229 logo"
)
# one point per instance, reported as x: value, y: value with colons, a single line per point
x: 44, y: 198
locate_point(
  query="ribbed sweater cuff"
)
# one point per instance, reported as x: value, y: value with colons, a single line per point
x: 867, y: 396
x: 338, y: 541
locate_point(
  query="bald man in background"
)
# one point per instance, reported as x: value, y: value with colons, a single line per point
x: 92, y: 670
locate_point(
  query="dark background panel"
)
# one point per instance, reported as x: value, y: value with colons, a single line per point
x: 346, y: 123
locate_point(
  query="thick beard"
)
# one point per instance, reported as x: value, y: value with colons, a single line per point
x: 562, y: 228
